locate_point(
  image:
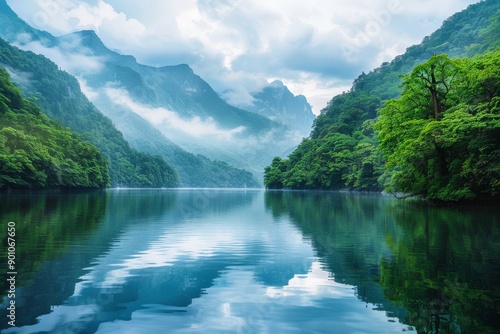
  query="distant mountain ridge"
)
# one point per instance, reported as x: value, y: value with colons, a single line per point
x: 183, y: 90
x: 173, y: 99
x: 276, y: 102
x: 178, y: 103
x: 194, y: 170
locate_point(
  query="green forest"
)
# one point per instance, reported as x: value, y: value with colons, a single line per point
x: 427, y: 124
x: 441, y: 138
x: 58, y: 95
x: 36, y: 152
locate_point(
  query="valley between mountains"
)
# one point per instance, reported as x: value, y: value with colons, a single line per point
x: 425, y: 124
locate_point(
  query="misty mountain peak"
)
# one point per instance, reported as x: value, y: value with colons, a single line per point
x: 181, y: 68
x: 89, y: 35
x: 88, y: 39
x: 276, y: 102
x: 277, y: 84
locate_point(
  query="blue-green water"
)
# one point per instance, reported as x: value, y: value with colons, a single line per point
x: 249, y: 261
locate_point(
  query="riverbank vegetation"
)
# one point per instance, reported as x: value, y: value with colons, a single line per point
x: 426, y: 124
x: 440, y: 140
x: 36, y: 152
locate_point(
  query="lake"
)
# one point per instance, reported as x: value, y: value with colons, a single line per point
x: 248, y: 261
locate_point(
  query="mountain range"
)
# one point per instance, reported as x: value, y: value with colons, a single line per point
x: 170, y: 111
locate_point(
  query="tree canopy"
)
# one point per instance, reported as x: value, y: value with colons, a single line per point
x: 36, y: 152
x: 441, y: 138
x: 343, y: 150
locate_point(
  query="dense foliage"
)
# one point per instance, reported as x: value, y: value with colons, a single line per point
x: 36, y: 152
x: 59, y: 96
x: 342, y: 150
x: 442, y: 137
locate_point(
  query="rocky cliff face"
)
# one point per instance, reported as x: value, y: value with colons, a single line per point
x: 276, y: 102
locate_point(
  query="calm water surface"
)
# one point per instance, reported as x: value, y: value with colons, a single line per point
x: 249, y: 261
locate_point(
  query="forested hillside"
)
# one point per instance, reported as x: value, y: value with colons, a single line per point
x: 194, y: 170
x: 342, y: 150
x: 59, y: 96
x: 441, y: 139
x: 36, y: 152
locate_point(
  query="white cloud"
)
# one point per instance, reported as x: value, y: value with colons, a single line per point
x: 19, y: 77
x: 318, y: 46
x: 72, y: 62
x: 169, y: 120
x: 90, y: 93
x: 306, y: 287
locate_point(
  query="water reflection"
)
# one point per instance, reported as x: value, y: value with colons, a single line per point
x: 212, y: 261
x: 441, y: 265
x: 47, y: 224
x: 348, y: 232
x: 446, y: 268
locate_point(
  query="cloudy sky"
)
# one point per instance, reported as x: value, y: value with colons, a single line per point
x: 316, y: 47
